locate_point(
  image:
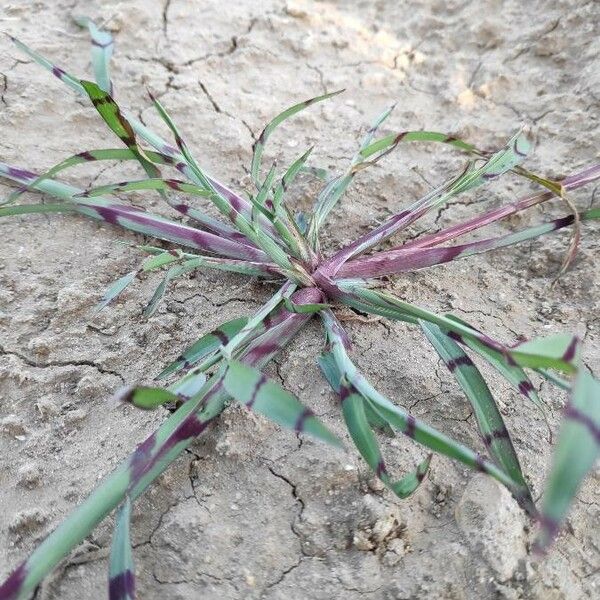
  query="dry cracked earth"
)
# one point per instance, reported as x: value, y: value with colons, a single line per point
x: 250, y: 511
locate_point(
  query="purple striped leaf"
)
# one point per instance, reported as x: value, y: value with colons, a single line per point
x: 576, y: 453
x: 121, y: 573
x: 205, y: 346
x: 266, y: 397
x: 494, y: 433
x: 102, y: 49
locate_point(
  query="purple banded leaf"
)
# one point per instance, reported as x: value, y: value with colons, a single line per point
x: 411, y: 313
x: 514, y: 374
x: 259, y: 145
x: 230, y: 204
x: 187, y: 155
x: 110, y: 112
x: 266, y: 397
x: 129, y: 217
x: 102, y: 49
x: 206, y: 345
x: 146, y: 398
x: 329, y: 369
x: 72, y: 82
x: 355, y: 417
x: 188, y: 387
x: 170, y: 185
x: 121, y: 572
x: 262, y: 316
x: 401, y: 420
x: 115, y: 289
x: 135, y: 474
x: 576, y: 453
x: 560, y: 351
x: 389, y: 142
x: 569, y: 183
x: 76, y: 159
x: 491, y: 425
x: 513, y: 153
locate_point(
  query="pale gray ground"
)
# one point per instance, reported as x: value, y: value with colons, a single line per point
x: 251, y: 511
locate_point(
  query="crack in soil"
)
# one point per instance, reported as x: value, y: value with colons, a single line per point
x: 58, y: 363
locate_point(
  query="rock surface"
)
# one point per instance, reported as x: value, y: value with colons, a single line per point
x: 493, y: 525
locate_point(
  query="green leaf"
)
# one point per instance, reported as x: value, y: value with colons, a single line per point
x: 266, y: 397
x: 147, y: 398
x: 296, y: 167
x: 577, y: 450
x: 160, y: 260
x: 111, y: 113
x: 355, y: 417
x: 115, y: 289
x: 403, y: 421
x: 102, y: 49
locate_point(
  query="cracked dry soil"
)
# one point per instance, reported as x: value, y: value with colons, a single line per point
x: 251, y: 511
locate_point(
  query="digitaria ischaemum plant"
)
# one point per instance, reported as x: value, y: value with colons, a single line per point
x: 259, y: 236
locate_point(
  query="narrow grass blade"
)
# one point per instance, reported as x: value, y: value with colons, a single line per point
x: 206, y: 345
x: 129, y: 217
x: 102, y: 49
x: 115, y: 289
x: 336, y: 186
x: 493, y: 430
x: 263, y: 199
x: 259, y: 145
x: 513, y: 373
x: 111, y: 114
x: 576, y: 452
x: 560, y: 351
x: 572, y: 182
x: 353, y: 409
x: 404, y: 422
x: 391, y: 141
x: 266, y: 397
x: 146, y: 398
x: 296, y: 167
x: 514, y: 152
x: 121, y: 572
x: 76, y: 159
x: 72, y: 82
x: 146, y: 184
x: 135, y: 474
